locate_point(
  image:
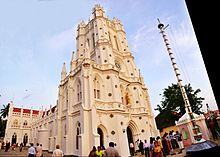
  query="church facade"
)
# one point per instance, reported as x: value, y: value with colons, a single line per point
x: 102, y: 98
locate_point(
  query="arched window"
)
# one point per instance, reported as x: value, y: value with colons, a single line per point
x: 199, y: 129
x: 184, y: 133
x: 122, y: 94
x: 65, y: 131
x: 78, y: 130
x: 66, y: 98
x: 93, y: 40
x: 25, y: 123
x: 116, y: 42
x: 96, y: 88
x: 88, y: 43
x: 25, y: 139
x: 14, y: 138
x: 15, y: 123
x: 79, y: 92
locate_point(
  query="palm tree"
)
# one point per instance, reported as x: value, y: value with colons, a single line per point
x: 4, y: 111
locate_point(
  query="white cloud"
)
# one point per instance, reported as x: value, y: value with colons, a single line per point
x: 146, y: 42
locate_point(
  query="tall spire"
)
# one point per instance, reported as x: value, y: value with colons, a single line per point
x: 63, y: 73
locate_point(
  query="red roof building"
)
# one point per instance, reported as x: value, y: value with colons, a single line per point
x: 16, y: 109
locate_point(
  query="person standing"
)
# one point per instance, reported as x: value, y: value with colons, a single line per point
x: 3, y: 145
x: 131, y: 148
x: 99, y: 152
x: 111, y: 151
x: 39, y: 150
x: 7, y: 146
x: 21, y: 146
x: 152, y: 146
x: 57, y: 152
x: 146, y: 148
x: 13, y: 146
x: 179, y: 140
x: 158, y: 139
x: 157, y: 149
x: 165, y: 144
x: 141, y: 147
x: 171, y: 143
x: 92, y: 153
x: 31, y: 151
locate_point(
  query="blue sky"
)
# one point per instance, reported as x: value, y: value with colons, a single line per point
x: 37, y: 36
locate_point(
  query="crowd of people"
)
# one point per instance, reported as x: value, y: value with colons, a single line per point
x: 32, y: 151
x: 212, y: 124
x: 156, y: 147
x: 36, y: 151
x: 159, y: 146
x: 100, y: 151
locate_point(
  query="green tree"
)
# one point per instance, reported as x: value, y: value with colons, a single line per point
x: 173, y: 104
x: 2, y: 127
x: 4, y: 111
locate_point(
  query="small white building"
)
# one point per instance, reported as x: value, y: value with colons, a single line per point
x: 185, y: 127
x: 103, y: 97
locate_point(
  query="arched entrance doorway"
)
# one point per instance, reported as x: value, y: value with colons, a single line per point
x: 25, y: 139
x: 130, y: 138
x: 100, y: 132
x: 14, y: 139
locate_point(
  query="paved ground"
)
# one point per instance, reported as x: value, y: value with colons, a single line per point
x: 17, y: 153
x: 175, y: 154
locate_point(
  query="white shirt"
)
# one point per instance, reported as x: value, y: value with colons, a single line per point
x: 31, y: 150
x: 146, y: 145
x: 57, y: 153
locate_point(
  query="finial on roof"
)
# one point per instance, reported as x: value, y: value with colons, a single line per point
x: 63, y: 73
x: 72, y: 59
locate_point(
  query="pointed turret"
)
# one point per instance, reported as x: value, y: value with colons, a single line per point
x: 141, y: 78
x: 72, y: 63
x: 98, y: 11
x: 63, y: 73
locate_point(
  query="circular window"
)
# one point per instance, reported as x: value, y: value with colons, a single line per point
x: 112, y: 132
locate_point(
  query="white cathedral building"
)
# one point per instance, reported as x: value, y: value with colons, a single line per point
x: 103, y: 98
